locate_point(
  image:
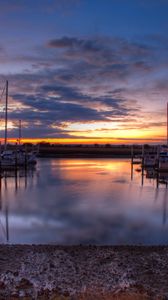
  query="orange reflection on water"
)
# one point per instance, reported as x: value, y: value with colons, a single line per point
x: 84, y: 201
x: 89, y: 169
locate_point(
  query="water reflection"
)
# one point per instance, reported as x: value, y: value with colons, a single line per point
x: 72, y: 201
x: 10, y: 182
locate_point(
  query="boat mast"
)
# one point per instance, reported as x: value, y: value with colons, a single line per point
x: 167, y: 124
x: 6, y: 115
x: 20, y: 131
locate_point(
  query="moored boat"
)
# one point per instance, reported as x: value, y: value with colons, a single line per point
x: 11, y: 158
x: 149, y: 160
x: 163, y: 159
x: 18, y: 157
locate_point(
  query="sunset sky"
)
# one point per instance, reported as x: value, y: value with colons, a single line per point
x: 85, y: 70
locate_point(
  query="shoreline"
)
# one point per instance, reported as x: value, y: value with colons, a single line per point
x: 83, y: 272
x: 71, y: 152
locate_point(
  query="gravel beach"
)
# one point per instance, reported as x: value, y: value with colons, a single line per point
x: 83, y: 272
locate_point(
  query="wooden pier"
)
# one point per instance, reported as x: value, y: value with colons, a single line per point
x: 153, y: 168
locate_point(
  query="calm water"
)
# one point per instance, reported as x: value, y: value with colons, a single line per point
x: 72, y: 201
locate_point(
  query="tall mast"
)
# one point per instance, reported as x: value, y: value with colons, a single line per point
x: 167, y: 124
x: 20, y: 131
x: 6, y: 114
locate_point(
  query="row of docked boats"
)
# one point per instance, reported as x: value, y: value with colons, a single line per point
x: 157, y: 160
x: 154, y: 157
x: 18, y: 157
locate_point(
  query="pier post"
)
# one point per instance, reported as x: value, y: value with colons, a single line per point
x: 158, y: 157
x: 142, y: 179
x: 132, y: 161
x: 157, y: 179
x: 16, y: 160
x: 16, y: 180
x: 143, y: 155
x: 26, y: 158
x: 0, y: 159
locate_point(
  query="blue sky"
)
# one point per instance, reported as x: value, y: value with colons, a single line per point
x: 85, y: 68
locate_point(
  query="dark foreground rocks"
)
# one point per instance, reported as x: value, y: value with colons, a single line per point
x: 83, y: 272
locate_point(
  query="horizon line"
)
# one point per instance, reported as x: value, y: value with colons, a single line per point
x: 86, y: 140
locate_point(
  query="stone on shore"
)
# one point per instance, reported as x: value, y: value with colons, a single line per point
x: 83, y: 272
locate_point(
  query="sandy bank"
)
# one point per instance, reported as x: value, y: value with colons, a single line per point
x: 83, y: 272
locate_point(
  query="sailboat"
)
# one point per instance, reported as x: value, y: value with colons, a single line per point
x: 18, y: 157
x: 163, y: 155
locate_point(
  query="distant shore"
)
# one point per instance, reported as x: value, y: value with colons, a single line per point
x: 83, y: 272
x: 87, y: 151
x: 84, y: 151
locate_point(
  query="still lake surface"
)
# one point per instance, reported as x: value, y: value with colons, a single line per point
x: 87, y: 201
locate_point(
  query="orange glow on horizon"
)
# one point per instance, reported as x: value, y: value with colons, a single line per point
x: 114, y: 141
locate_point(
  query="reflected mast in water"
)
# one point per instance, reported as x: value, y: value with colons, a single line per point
x: 5, y: 229
x: 7, y: 176
x: 6, y: 212
x: 165, y: 207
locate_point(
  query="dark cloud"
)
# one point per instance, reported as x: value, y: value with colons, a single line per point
x: 116, y: 49
x: 64, y: 42
x: 54, y: 104
x: 104, y: 60
x: 60, y: 109
x: 86, y: 45
x: 39, y: 131
x: 84, y: 80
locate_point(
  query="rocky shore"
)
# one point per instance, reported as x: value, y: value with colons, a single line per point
x: 83, y: 272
